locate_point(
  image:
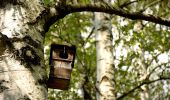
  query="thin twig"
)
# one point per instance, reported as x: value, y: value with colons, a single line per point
x: 127, y: 4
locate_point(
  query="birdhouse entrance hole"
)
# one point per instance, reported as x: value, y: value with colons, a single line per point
x: 63, y: 54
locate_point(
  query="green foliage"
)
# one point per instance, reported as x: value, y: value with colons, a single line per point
x: 137, y: 46
x: 69, y: 31
x: 48, y: 2
x: 149, y: 41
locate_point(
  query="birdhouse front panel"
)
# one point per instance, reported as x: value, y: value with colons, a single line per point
x: 61, y: 62
x: 61, y: 72
x: 59, y: 54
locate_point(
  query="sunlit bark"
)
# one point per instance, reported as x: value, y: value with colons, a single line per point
x: 105, y: 68
x: 22, y: 70
x: 144, y: 94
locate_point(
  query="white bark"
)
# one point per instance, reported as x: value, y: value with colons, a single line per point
x: 105, y: 67
x: 144, y: 94
x: 22, y: 70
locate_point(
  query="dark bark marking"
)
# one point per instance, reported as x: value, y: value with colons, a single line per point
x: 3, y: 3
x: 27, y: 39
x: 30, y: 41
x: 103, y: 27
x: 107, y: 79
x: 2, y: 46
x: 104, y: 79
x: 22, y: 54
x: 5, y: 43
x: 26, y: 97
x: 2, y: 88
x: 33, y: 58
x: 41, y: 82
x: 28, y: 59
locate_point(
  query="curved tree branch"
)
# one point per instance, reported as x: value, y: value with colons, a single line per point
x: 143, y: 83
x: 63, y: 9
x: 119, y: 12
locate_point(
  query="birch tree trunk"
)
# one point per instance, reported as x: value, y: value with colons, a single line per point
x: 105, y: 67
x: 144, y: 94
x: 22, y: 70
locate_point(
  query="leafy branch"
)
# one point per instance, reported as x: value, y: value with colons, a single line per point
x: 141, y: 84
x: 154, y: 69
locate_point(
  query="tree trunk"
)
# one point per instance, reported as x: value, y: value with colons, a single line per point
x: 144, y: 94
x: 105, y: 68
x: 22, y: 70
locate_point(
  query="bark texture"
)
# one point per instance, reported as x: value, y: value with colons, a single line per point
x: 22, y: 70
x: 144, y: 94
x: 105, y: 67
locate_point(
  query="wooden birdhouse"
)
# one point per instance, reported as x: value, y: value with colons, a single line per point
x: 61, y: 63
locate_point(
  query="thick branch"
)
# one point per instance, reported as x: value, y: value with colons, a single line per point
x: 111, y: 10
x: 143, y: 83
x: 63, y: 10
